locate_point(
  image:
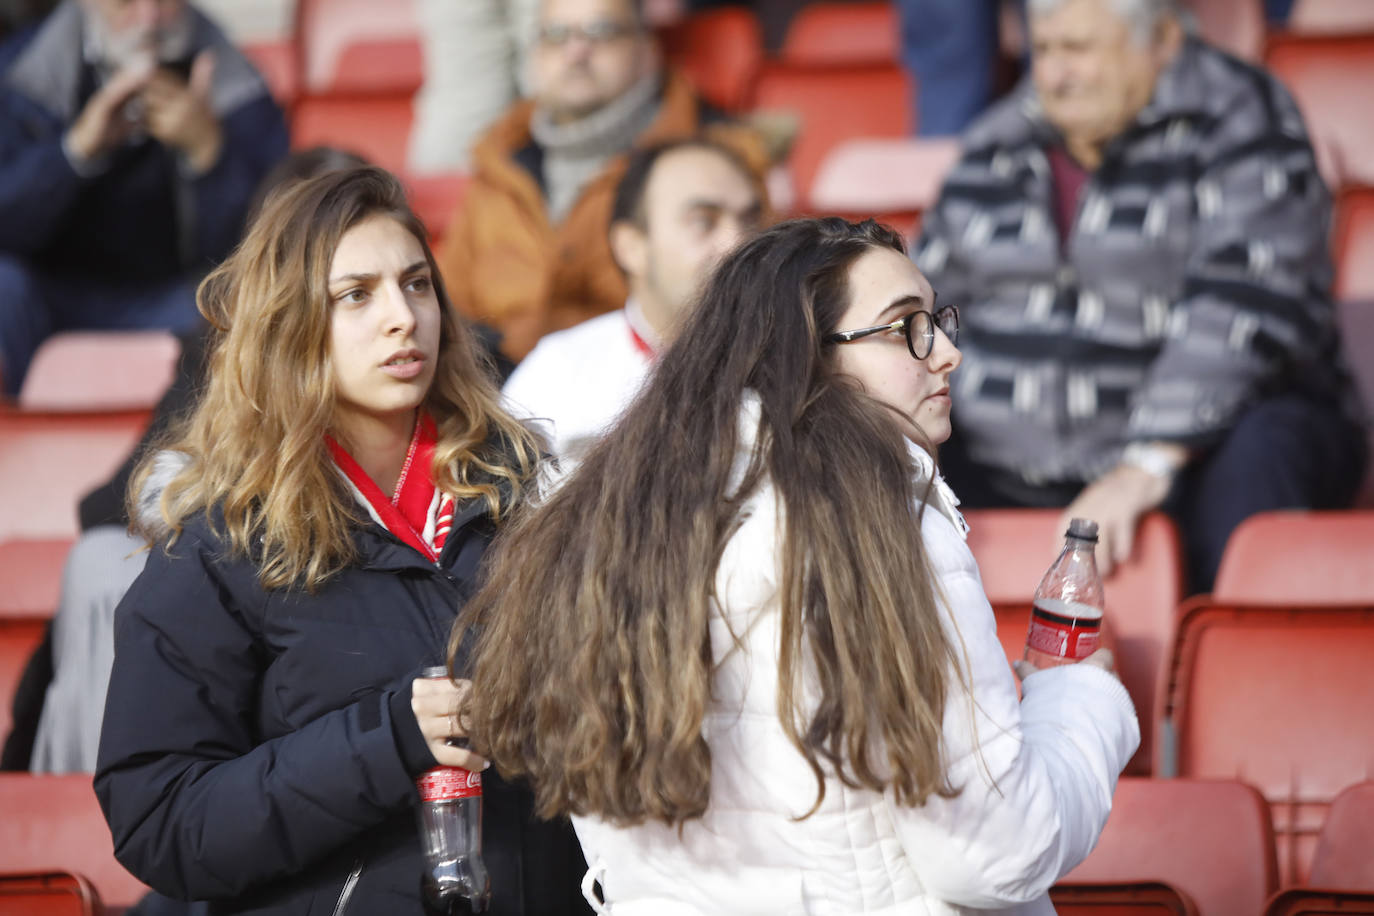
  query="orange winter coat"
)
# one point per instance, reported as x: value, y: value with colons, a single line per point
x: 505, y: 264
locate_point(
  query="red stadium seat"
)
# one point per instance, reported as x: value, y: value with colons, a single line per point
x: 93, y: 371
x: 360, y: 46
x: 891, y: 180
x: 1309, y: 558
x: 49, y: 461
x: 828, y: 34
x: 1354, y: 245
x: 1331, y: 17
x: 1014, y: 548
x: 834, y: 104
x: 1235, y: 26
x: 279, y: 62
x: 1277, y: 697
x: 48, y: 894
x: 1315, y: 902
x: 1127, y: 898
x: 435, y: 198
x: 1345, y: 848
x: 1327, y: 75
x: 1211, y: 840
x: 32, y: 573
x: 720, y: 51
x: 376, y: 127
x: 54, y: 824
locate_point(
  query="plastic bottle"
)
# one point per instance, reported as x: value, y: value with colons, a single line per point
x: 1066, y: 620
x: 455, y: 877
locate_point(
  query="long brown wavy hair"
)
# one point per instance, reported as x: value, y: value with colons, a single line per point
x: 255, y: 444
x: 592, y: 660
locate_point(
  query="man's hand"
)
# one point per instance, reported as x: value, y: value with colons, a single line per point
x: 178, y: 113
x: 102, y: 124
x: 1116, y: 501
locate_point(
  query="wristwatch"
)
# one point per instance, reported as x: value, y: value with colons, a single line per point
x: 1151, y: 459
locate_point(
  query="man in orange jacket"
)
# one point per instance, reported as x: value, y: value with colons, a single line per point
x: 527, y: 252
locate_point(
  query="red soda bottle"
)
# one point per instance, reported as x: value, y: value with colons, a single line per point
x: 1066, y: 620
x: 455, y: 877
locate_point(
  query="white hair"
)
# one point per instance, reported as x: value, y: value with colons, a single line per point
x: 1141, y: 16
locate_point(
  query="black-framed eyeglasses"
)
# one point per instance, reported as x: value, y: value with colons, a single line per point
x: 918, y: 326
x: 597, y: 32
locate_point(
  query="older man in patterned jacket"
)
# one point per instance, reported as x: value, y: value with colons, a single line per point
x: 1137, y: 239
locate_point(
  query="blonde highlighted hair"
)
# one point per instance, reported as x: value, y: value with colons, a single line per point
x: 254, y: 447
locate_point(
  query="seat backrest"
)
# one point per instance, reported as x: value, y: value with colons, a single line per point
x: 360, y: 47
x: 1327, y: 75
x: 834, y: 104
x: 1235, y: 26
x: 1345, y: 849
x: 828, y: 34
x: 879, y: 176
x: 1328, y: 17
x: 48, y: 894
x: 53, y: 823
x: 92, y: 371
x: 1014, y: 548
x: 1299, y: 558
x: 375, y: 126
x: 1315, y: 902
x: 31, y: 571
x: 1210, y: 839
x: 1126, y: 898
x: 720, y: 51
x: 1353, y: 245
x: 1277, y: 697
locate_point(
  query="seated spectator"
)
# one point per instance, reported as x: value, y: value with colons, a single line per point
x: 1137, y: 238
x: 527, y: 252
x: 679, y: 207
x: 132, y: 136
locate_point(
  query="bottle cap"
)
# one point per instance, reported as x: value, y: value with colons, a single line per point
x: 1082, y: 529
x: 442, y: 670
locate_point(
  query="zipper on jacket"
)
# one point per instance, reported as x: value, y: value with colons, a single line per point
x: 350, y: 883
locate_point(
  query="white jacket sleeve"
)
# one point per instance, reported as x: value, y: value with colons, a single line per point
x: 1034, y: 778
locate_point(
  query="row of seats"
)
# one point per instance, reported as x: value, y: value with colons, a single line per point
x: 1180, y: 846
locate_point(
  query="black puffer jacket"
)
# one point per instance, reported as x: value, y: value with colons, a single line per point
x: 259, y: 750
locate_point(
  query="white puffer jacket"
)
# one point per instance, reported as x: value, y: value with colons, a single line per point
x: 1037, y: 776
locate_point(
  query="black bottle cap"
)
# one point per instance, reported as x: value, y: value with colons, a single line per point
x: 1082, y: 529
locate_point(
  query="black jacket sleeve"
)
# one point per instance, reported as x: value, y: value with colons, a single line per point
x: 199, y: 806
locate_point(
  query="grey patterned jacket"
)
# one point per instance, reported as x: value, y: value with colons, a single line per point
x: 1195, y: 278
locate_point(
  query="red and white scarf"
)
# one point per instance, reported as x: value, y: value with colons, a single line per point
x: 418, y: 513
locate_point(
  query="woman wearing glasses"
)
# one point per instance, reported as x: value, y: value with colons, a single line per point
x: 746, y: 646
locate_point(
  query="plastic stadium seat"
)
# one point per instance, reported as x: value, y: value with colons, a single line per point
x: 1014, y: 548
x: 1210, y: 839
x: 1235, y: 26
x: 53, y: 823
x: 1331, y: 17
x: 843, y: 34
x: 1317, y: 902
x: 92, y: 371
x: 376, y: 127
x: 49, y: 461
x: 720, y: 51
x: 1353, y: 244
x: 891, y: 180
x: 1309, y: 558
x: 435, y: 198
x: 32, y: 573
x: 279, y: 62
x: 1345, y: 848
x: 1127, y: 898
x: 1327, y: 75
x: 18, y: 638
x: 1277, y: 697
x: 48, y: 894
x: 360, y: 46
x: 834, y: 104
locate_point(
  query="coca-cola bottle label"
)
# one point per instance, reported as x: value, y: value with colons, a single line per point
x: 1075, y: 634
x: 447, y: 783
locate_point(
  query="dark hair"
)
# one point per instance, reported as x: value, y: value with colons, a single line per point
x: 298, y: 166
x: 628, y: 203
x: 594, y: 658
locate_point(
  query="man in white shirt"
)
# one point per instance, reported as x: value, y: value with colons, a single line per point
x: 680, y: 206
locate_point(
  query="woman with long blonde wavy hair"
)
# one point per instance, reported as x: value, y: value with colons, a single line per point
x: 315, y: 525
x: 745, y: 645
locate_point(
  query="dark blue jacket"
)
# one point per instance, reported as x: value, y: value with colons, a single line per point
x: 142, y: 219
x: 258, y: 746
